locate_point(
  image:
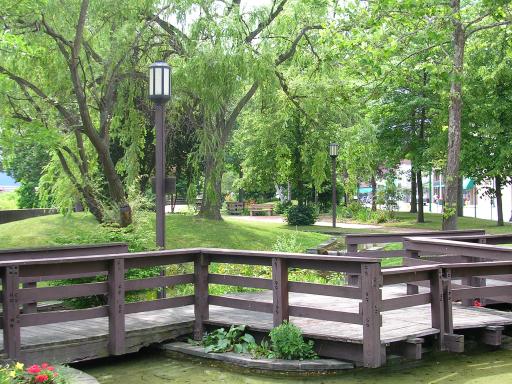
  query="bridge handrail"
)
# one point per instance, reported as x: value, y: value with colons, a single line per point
x: 353, y: 240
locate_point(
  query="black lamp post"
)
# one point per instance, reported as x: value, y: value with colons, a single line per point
x: 160, y: 93
x: 333, y: 152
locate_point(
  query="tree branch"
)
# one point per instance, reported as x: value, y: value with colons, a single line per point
x: 68, y: 116
x: 487, y: 26
x: 241, y: 104
x: 261, y: 26
x: 291, y: 51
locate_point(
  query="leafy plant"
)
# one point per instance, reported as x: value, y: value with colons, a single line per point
x: 288, y: 343
x: 301, y: 215
x: 281, y: 208
x: 288, y: 243
x: 235, y: 339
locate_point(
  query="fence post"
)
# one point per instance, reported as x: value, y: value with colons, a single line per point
x: 352, y: 279
x: 412, y: 289
x: 201, y: 308
x: 11, y: 312
x: 116, y: 316
x: 437, y: 305
x: 280, y: 291
x: 447, y: 296
x: 29, y: 307
x: 371, y: 282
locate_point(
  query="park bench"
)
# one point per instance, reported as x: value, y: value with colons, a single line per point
x: 235, y: 207
x: 261, y: 208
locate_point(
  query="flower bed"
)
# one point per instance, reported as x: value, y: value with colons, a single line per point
x: 35, y: 374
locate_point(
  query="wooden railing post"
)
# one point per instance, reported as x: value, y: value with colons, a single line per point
x: 30, y: 307
x: 280, y: 291
x: 116, y: 315
x: 447, y: 296
x: 11, y: 312
x: 371, y: 283
x: 201, y: 308
x: 437, y: 305
x: 412, y: 289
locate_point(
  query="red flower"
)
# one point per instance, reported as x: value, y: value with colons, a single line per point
x: 44, y: 365
x: 41, y: 378
x: 34, y: 369
x: 477, y: 303
x: 50, y: 368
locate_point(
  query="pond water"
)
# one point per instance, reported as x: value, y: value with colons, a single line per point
x: 151, y: 367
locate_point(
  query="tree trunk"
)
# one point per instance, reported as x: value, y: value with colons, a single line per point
x: 289, y: 197
x: 211, y: 202
x: 454, y: 121
x: 499, y: 200
x: 374, y: 193
x: 414, y: 190
x: 421, y: 216
x: 460, y: 197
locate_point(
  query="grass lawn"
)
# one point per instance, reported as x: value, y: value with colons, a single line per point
x: 433, y: 221
x: 182, y: 231
x: 8, y: 200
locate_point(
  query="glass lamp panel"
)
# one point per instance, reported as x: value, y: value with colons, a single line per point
x: 151, y: 81
x: 158, y: 80
x: 166, y: 82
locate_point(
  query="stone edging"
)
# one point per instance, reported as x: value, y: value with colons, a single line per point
x: 246, y: 361
x: 76, y: 376
x: 324, y: 247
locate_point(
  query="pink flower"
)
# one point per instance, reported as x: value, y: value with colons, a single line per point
x: 41, y: 378
x: 34, y: 369
x: 44, y: 365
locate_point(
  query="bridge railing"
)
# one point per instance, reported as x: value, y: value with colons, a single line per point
x: 368, y: 293
x: 466, y: 252
x: 114, y: 267
x: 114, y: 288
x: 54, y: 253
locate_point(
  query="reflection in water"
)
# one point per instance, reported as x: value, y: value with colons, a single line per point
x: 482, y: 367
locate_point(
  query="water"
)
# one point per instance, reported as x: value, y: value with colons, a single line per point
x: 480, y: 367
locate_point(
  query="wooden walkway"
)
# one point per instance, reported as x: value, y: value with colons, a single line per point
x: 78, y: 339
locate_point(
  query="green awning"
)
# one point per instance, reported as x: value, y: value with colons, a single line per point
x: 468, y: 184
x: 365, y: 190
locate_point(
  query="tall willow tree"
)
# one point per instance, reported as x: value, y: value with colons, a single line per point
x: 222, y: 55
x: 61, y: 66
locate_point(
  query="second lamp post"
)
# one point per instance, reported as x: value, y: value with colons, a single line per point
x: 160, y: 93
x: 333, y: 152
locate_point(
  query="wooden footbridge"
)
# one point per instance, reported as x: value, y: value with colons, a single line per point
x: 427, y: 300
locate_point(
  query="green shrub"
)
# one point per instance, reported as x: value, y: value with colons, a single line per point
x: 301, y: 215
x: 287, y: 343
x: 288, y: 243
x: 282, y: 208
x: 235, y: 340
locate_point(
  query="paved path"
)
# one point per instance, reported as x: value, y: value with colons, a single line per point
x: 280, y: 220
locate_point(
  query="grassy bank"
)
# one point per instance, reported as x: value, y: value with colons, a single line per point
x: 182, y: 231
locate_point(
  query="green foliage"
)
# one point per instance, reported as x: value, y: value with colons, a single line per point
x: 301, y: 215
x: 281, y: 208
x: 287, y: 343
x: 288, y: 243
x: 358, y: 212
x: 235, y: 339
x: 8, y: 200
x: 27, y: 195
